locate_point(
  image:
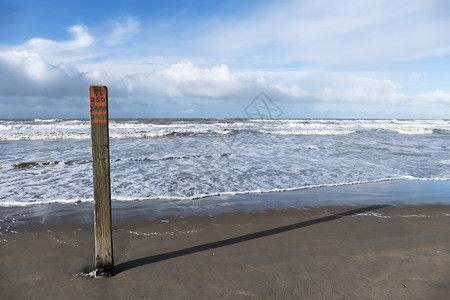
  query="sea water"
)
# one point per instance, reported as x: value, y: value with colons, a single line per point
x: 49, y: 160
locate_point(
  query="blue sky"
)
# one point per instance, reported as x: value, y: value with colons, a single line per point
x: 314, y: 59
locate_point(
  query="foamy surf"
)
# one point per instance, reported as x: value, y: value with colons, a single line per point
x: 49, y: 161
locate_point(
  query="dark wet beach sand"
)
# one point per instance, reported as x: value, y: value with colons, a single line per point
x: 376, y: 246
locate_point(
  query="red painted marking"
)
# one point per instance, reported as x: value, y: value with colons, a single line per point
x: 99, y: 121
x: 98, y: 112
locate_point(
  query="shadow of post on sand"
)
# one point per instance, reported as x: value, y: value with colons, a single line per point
x: 125, y: 266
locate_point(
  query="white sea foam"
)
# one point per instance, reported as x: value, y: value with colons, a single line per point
x: 44, y: 135
x: 414, y: 216
x: 46, y: 120
x: 165, y: 233
x: 413, y: 131
x: 49, y: 161
x: 79, y: 129
x: 195, y: 197
x: 372, y: 214
x: 307, y: 132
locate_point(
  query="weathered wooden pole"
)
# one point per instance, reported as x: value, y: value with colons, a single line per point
x: 98, y: 102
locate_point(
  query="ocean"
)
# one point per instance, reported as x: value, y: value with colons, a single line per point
x: 49, y: 160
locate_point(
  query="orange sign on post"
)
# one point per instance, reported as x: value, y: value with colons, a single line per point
x: 98, y: 101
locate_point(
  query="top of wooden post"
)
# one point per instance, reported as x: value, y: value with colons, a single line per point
x: 98, y: 95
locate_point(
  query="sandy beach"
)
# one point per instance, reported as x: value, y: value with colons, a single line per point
x: 267, y: 246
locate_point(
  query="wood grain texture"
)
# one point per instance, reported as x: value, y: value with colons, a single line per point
x: 98, y: 99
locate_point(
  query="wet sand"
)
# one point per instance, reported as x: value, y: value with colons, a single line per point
x: 382, y: 250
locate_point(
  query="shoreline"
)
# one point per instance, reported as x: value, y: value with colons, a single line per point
x: 396, y: 192
x: 382, y: 240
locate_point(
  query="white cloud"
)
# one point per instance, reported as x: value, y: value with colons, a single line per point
x: 435, y: 97
x: 293, y: 92
x: 123, y: 30
x: 336, y: 32
x: 28, y: 74
x: 365, y: 91
x: 341, y: 32
x: 118, y: 85
x: 186, y: 79
x: 79, y: 48
x: 81, y: 39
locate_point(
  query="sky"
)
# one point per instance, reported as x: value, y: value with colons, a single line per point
x: 210, y: 59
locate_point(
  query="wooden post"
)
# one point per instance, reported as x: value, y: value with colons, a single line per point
x: 98, y: 102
